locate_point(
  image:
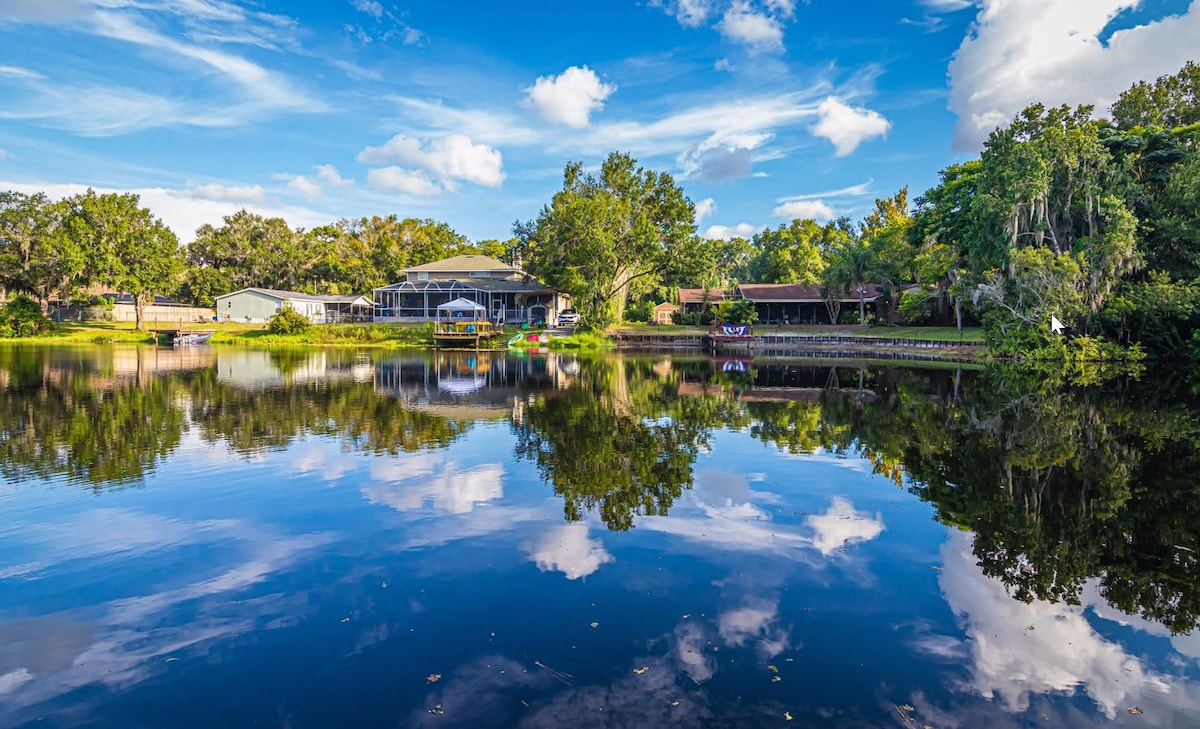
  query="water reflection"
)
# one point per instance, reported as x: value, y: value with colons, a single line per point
x: 612, y: 541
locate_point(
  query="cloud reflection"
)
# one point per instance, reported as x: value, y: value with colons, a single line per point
x: 570, y: 550
x: 432, y: 479
x: 722, y: 511
x: 1018, y: 650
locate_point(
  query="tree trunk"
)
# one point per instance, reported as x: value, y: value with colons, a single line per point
x: 139, y: 306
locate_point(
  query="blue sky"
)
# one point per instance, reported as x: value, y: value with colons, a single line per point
x: 467, y: 111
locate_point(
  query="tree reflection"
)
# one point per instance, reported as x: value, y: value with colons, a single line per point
x: 619, y: 442
x: 100, y: 427
x: 1061, y: 484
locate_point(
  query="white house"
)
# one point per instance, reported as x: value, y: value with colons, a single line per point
x: 258, y: 305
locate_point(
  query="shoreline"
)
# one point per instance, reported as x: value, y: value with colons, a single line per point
x: 886, y: 343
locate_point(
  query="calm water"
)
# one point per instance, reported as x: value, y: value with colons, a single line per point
x: 211, y: 538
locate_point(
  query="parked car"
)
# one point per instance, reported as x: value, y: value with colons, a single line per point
x: 568, y: 318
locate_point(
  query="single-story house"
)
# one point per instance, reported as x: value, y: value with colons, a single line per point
x: 664, y: 313
x: 509, y: 294
x: 258, y: 305
x: 786, y: 303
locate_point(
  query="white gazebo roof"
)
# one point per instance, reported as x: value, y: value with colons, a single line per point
x: 461, y: 304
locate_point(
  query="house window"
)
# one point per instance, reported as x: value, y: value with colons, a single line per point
x: 480, y: 274
x: 422, y: 275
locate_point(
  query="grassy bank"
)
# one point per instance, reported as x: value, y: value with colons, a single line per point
x: 240, y: 333
x: 972, y: 335
x: 418, y: 335
x: 328, y: 335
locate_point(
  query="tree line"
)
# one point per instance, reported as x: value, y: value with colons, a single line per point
x: 1094, y: 222
x: 57, y: 249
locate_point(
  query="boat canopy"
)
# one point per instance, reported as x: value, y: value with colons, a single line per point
x: 461, y: 304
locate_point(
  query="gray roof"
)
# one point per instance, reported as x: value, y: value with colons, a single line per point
x: 468, y: 262
x: 297, y: 295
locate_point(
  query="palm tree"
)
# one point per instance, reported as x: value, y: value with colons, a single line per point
x: 852, y: 265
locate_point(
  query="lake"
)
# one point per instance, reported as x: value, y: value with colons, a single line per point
x: 210, y: 537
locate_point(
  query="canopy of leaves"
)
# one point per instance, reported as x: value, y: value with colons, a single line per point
x: 609, y: 235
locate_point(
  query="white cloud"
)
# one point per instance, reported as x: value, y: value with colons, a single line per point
x: 227, y: 193
x: 741, y: 230
x: 723, y: 156
x: 862, y: 188
x: 182, y: 210
x: 449, y: 158
x: 370, y: 7
x: 408, y: 182
x: 759, y: 32
x: 306, y: 187
x: 3, y: 153
x: 313, y: 189
x: 723, y: 64
x: 818, y: 210
x: 569, y: 98
x: 19, y: 72
x: 1025, y: 51
x: 689, y: 13
x: 947, y: 6
x: 709, y: 124
x: 569, y: 549
x: 267, y: 88
x: 705, y: 208
x: 244, y: 91
x: 329, y: 175
x: 785, y: 8
x: 847, y: 127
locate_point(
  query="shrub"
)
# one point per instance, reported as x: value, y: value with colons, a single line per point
x: 641, y: 311
x: 288, y: 321
x: 22, y: 317
x: 736, y: 311
x: 914, y: 307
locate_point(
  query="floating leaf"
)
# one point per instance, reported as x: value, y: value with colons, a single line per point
x: 776, y: 679
x: 939, y: 568
x: 675, y: 702
x: 1135, y: 710
x: 787, y: 716
x: 640, y: 671
x: 383, y: 586
x: 595, y: 624
x: 433, y: 678
x: 772, y: 669
x: 345, y: 620
x: 437, y: 709
x: 172, y: 659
